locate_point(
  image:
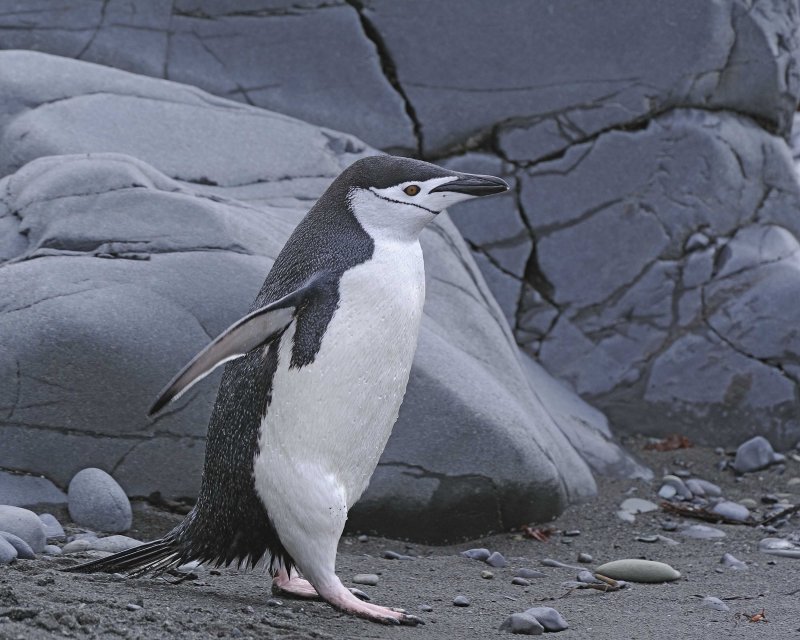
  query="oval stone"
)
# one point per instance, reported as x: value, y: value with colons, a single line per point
x: 635, y: 570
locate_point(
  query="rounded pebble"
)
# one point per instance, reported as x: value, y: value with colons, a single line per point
x: 587, y: 577
x: 755, y: 454
x: 425, y: 607
x: 635, y: 570
x: 731, y: 511
x: 476, y: 554
x: 779, y: 547
x: 548, y: 617
x: 523, y: 582
x: 679, y: 485
x: 496, y: 560
x: 585, y: 558
x: 369, y: 579
x: 626, y: 516
x: 667, y: 492
x: 53, y: 530
x: 461, y: 601
x: 487, y: 575
x: 637, y: 505
x: 649, y: 539
x: 7, y: 552
x: 363, y: 537
x: 24, y: 524
x: 710, y: 602
x: 393, y: 555
x: 528, y: 574
x: 24, y: 551
x: 571, y: 533
x: 52, y: 550
x: 132, y: 607
x: 97, y: 502
x: 522, y: 624
x: 748, y: 502
x: 733, y: 563
x: 701, y: 532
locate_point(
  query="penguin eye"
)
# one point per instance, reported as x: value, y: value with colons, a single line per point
x: 411, y: 190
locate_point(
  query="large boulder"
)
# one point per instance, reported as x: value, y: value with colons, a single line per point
x: 139, y: 219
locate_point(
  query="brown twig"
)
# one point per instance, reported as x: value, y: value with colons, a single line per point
x: 783, y: 512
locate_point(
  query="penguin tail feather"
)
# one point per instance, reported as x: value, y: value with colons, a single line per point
x: 152, y: 557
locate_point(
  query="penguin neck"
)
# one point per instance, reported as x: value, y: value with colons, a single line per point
x: 385, y: 220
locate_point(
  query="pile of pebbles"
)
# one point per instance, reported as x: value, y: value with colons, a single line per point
x: 96, y: 503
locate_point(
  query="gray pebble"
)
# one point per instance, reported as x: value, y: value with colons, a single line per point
x: 393, y: 555
x: 52, y: 550
x: 733, y: 563
x: 587, y: 577
x: 96, y: 501
x: 701, y: 532
x: 667, y: 540
x: 522, y: 624
x: 476, y: 554
x: 24, y: 524
x: 669, y: 525
x: 487, y: 575
x: 635, y: 570
x: 549, y: 562
x: 626, y: 516
x: 732, y: 511
x: 637, y: 505
x: 528, y: 574
x: 496, y: 560
x: 7, y: 552
x: 679, y: 486
x: 274, y: 602
x: 755, y: 454
x: 548, y: 617
x: 114, y: 544
x: 749, y: 503
x: 709, y: 488
x: 770, y: 498
x: 24, y: 551
x: 363, y: 538
x: 53, y: 530
x: 585, y: 558
x: 571, y: 533
x: 649, y: 539
x: 779, y: 547
x: 425, y: 607
x: 78, y: 545
x: 682, y: 473
x: 523, y: 582
x: 461, y: 601
x: 369, y: 579
x: 716, y: 604
x: 132, y: 607
x: 667, y: 492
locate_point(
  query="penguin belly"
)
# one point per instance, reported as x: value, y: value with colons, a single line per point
x: 328, y: 422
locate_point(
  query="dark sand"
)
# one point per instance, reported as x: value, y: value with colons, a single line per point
x: 234, y: 603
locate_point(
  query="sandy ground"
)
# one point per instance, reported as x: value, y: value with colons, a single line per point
x: 37, y: 601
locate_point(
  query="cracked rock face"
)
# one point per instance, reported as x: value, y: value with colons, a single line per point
x: 139, y: 218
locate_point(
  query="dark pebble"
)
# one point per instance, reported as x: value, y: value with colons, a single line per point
x: 770, y: 499
x: 571, y: 533
x: 132, y: 607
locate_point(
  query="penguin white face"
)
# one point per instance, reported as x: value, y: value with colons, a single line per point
x: 436, y: 194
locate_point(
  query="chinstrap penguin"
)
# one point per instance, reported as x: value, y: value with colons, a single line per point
x: 315, y: 376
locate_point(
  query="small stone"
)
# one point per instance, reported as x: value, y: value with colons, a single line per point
x: 363, y: 537
x: 733, y: 563
x: 626, y: 516
x: 496, y: 560
x: 86, y: 618
x: 522, y: 624
x: 425, y: 607
x: 76, y: 546
x: 548, y: 617
x: 731, y: 511
x: 701, y: 532
x: 487, y: 575
x: 649, y: 539
x: 274, y: 602
x: 637, y: 505
x: 669, y: 525
x: 679, y: 486
x: 132, y: 607
x: 24, y: 551
x: 770, y: 498
x: 748, y: 502
x: 461, y: 601
x: 523, y: 582
x: 24, y: 524
x: 755, y: 454
x: 667, y: 492
x: 549, y: 562
x: 779, y: 547
x: 98, y: 502
x: 668, y: 541
x: 571, y: 533
x: 529, y: 574
x: 716, y: 604
x: 587, y: 577
x: 476, y: 554
x: 585, y: 558
x: 369, y: 579
x: 52, y: 550
x: 393, y: 555
x: 7, y: 551
x: 114, y: 544
x: 53, y: 530
x: 635, y: 570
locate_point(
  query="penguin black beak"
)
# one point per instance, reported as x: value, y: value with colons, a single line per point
x: 474, y: 185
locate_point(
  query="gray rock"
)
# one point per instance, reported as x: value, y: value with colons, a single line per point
x: 496, y: 560
x: 710, y: 602
x: 114, y: 544
x: 487, y: 575
x: 587, y: 577
x: 23, y: 524
x: 476, y: 554
x: 461, y: 601
x: 548, y: 617
x: 52, y: 527
x: 667, y: 491
x: 522, y: 624
x: 529, y: 574
x: 701, y: 532
x: 626, y: 516
x: 523, y: 582
x: 679, y: 485
x: 98, y: 502
x: 8, y: 553
x: 24, y: 551
x: 52, y: 550
x: 755, y: 454
x: 369, y: 579
x: 549, y: 562
x: 733, y: 563
x: 703, y: 487
x: 28, y: 491
x: 635, y: 570
x: 648, y: 539
x: 732, y: 511
x: 637, y: 505
x: 393, y: 555
x: 585, y: 557
x: 79, y: 545
x: 779, y: 547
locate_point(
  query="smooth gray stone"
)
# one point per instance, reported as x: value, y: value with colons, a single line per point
x: 28, y: 491
x: 8, y: 553
x: 679, y: 485
x: 638, y: 505
x: 529, y: 573
x: 476, y: 554
x: 114, y: 544
x: 635, y: 570
x: 701, y: 532
x: 522, y: 624
x: 626, y: 516
x: 703, y: 487
x: 23, y: 524
x: 585, y: 557
x: 52, y: 550
x: 461, y: 601
x: 523, y: 582
x: 755, y: 454
x: 667, y: 491
x: 369, y: 579
x: 496, y: 560
x: 548, y: 617
x: 710, y: 602
x: 24, y: 550
x: 98, y: 502
x: 733, y: 563
x: 549, y: 562
x: 52, y: 527
x: 732, y: 510
x: 779, y: 547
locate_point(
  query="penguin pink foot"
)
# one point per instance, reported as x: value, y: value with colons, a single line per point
x: 341, y: 598
x: 285, y: 585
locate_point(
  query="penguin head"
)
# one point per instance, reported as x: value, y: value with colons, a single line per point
x: 392, y: 193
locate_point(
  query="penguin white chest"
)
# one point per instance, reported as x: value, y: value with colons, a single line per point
x: 332, y: 418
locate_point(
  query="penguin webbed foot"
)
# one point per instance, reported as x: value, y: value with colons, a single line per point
x: 344, y: 600
x: 293, y: 587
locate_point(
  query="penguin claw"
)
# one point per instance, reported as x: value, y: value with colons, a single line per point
x: 358, y: 593
x: 411, y: 621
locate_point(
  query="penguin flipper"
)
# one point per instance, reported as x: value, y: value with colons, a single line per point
x: 254, y: 330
